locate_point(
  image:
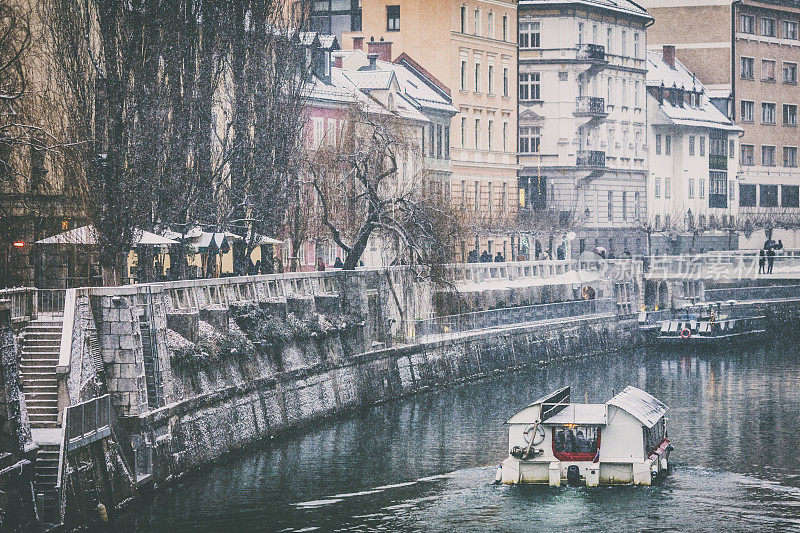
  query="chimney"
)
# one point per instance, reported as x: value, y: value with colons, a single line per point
x: 358, y: 43
x: 669, y: 55
x: 373, y: 58
x: 382, y: 48
x: 337, y: 62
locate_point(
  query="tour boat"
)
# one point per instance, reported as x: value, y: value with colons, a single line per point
x: 555, y: 442
x: 709, y: 328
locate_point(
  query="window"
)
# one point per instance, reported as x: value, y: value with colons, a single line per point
x: 747, y: 195
x: 477, y: 22
x: 668, y: 144
x: 463, y: 75
x: 447, y: 142
x: 790, y: 156
x: 463, y: 19
x: 529, y: 35
x: 463, y: 132
x: 790, y: 73
x: 529, y: 139
x: 432, y: 141
x: 731, y: 148
x: 490, y: 80
x: 768, y: 195
x: 667, y: 187
x: 747, y: 111
x: 748, y: 65
x: 490, y: 24
x: 767, y: 113
x: 529, y: 86
x: 790, y: 196
x: 490, y: 202
x: 768, y: 27
x: 789, y: 114
x: 477, y: 134
x: 702, y: 146
x: 477, y: 195
x: 393, y: 18
x: 505, y: 27
x: 505, y: 136
x: 746, y: 155
x: 768, y: 156
x: 610, y: 205
x: 636, y: 45
x: 575, y: 443
x: 624, y: 44
x: 732, y: 192
x: 624, y: 95
x: 609, y: 35
x: 657, y: 222
x: 504, y: 198
x: 439, y: 150
x: 636, y: 206
x: 789, y: 29
x: 489, y: 133
x: 580, y: 33
x: 658, y: 144
x: 691, y: 187
x: 717, y: 189
x: 477, y: 77
x: 748, y: 23
x: 505, y: 82
x: 702, y: 187
x: 657, y: 188
x: 624, y: 205
x: 767, y: 70
x: 691, y: 148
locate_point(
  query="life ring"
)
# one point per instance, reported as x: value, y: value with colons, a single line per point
x: 535, y: 432
x: 686, y: 333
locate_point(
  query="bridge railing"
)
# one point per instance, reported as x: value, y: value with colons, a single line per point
x: 508, y: 316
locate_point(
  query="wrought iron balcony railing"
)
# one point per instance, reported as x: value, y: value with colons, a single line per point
x: 593, y: 52
x: 590, y: 105
x: 591, y: 158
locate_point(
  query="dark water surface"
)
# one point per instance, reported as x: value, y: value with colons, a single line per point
x: 426, y: 463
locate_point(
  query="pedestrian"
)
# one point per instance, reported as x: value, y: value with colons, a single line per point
x: 320, y: 264
x: 485, y: 257
x: 338, y: 263
x: 779, y: 246
x: 472, y: 256
x: 762, y: 260
x: 499, y: 258
x: 770, y: 260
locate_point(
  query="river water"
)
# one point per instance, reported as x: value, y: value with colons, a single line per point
x: 426, y: 463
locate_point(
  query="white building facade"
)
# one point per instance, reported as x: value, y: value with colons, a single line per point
x: 583, y: 124
x: 694, y: 162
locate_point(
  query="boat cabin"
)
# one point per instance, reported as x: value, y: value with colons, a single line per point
x: 621, y: 441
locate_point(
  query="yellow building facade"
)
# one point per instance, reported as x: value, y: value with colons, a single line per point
x: 471, y: 48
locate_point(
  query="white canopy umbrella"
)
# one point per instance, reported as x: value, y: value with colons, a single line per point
x: 88, y: 235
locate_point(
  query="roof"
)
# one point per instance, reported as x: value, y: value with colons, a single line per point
x: 580, y: 413
x: 706, y: 114
x: 621, y: 6
x: 644, y: 407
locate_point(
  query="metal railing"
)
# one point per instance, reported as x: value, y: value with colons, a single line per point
x: 23, y: 302
x: 50, y: 301
x: 590, y: 158
x: 594, y: 52
x: 508, y: 316
x: 590, y: 105
x: 87, y: 422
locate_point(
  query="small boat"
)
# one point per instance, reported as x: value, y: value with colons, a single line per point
x: 708, y: 327
x: 555, y: 442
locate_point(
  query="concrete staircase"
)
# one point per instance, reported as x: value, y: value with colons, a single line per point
x: 40, y: 350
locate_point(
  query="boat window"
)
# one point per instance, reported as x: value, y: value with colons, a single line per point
x: 664, y: 327
x: 576, y: 443
x: 673, y: 327
x: 654, y: 435
x: 705, y: 327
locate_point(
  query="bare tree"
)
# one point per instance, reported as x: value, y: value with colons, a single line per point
x: 363, y: 193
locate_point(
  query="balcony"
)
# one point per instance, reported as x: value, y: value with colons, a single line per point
x: 591, y: 52
x: 718, y: 162
x: 590, y: 106
x: 591, y: 159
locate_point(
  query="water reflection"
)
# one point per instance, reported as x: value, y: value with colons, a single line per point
x: 426, y: 463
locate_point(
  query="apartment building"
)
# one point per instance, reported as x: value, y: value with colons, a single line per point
x: 746, y: 53
x: 471, y: 48
x: 582, y: 124
x: 694, y: 160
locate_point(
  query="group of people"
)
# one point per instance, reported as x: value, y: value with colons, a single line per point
x: 766, y: 257
x: 485, y: 257
x: 567, y: 441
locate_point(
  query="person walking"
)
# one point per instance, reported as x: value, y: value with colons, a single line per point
x: 338, y: 263
x: 499, y: 258
x: 762, y: 260
x: 770, y: 260
x: 320, y: 264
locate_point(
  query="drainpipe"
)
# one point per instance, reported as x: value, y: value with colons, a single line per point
x: 734, y: 5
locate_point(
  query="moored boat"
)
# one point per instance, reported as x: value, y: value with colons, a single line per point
x: 555, y: 442
x: 709, y: 327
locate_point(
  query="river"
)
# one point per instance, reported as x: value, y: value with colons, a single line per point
x: 426, y: 463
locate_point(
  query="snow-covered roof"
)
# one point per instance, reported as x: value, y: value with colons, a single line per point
x: 580, y: 413
x: 644, y: 407
x: 622, y: 6
x: 370, y: 80
x: 704, y: 114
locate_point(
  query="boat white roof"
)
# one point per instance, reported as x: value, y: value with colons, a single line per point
x: 645, y: 407
x: 580, y: 413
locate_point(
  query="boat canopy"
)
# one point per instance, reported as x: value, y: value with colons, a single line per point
x: 581, y: 414
x: 647, y: 409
